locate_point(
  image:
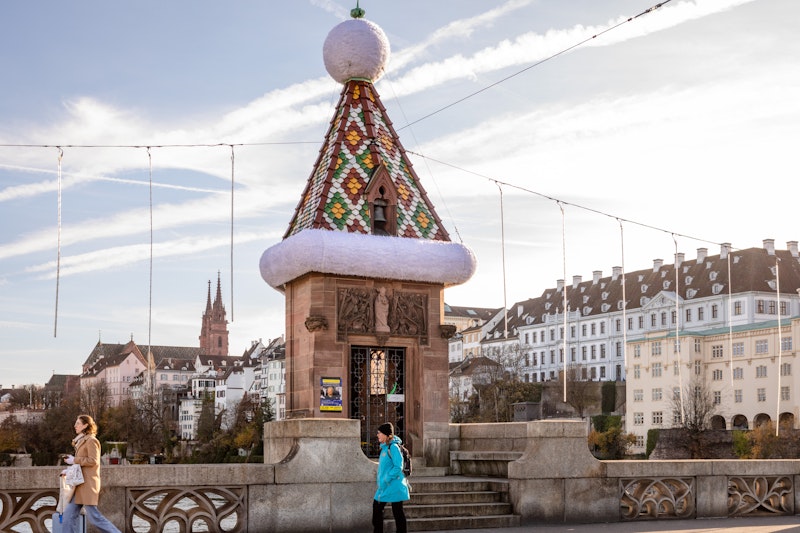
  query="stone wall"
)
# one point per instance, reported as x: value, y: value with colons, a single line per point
x: 318, y: 479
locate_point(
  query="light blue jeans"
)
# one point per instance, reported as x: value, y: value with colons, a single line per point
x: 92, y: 514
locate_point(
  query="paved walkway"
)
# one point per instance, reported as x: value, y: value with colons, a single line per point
x: 729, y: 525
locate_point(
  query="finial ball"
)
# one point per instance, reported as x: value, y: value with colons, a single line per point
x: 356, y: 48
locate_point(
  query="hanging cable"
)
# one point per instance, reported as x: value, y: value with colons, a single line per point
x: 624, y: 301
x: 427, y: 164
x: 564, y: 291
x: 779, y: 347
x: 730, y: 322
x: 536, y: 64
x: 677, y: 347
x: 150, y: 295
x: 58, y: 239
x: 233, y: 160
x: 563, y: 202
x: 503, y: 255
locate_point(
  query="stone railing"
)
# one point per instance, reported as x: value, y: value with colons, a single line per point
x: 558, y: 480
x: 318, y: 479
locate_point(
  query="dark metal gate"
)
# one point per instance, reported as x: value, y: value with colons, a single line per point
x: 377, y: 392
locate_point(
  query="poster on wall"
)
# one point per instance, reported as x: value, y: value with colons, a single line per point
x: 330, y: 394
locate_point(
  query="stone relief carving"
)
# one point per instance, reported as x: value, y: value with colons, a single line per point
x: 409, y: 314
x: 760, y: 495
x: 657, y: 498
x: 375, y: 311
x: 355, y: 311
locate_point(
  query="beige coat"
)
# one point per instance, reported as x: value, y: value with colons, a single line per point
x: 87, y: 454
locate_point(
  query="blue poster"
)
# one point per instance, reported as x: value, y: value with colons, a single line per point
x: 330, y: 394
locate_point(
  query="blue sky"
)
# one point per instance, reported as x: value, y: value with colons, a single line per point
x: 683, y: 123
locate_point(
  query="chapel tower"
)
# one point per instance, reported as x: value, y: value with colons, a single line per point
x: 214, y: 331
x: 363, y: 266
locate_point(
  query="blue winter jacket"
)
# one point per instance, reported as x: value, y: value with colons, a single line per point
x: 392, y: 484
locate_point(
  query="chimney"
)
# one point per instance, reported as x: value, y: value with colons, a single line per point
x: 792, y: 247
x: 596, y: 275
x: 559, y: 284
x: 519, y: 310
x: 615, y: 273
x: 769, y: 246
x: 724, y: 250
x: 576, y: 280
x: 679, y: 259
x: 702, y: 253
x: 657, y: 263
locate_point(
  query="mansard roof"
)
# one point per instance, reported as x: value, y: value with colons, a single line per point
x: 476, y: 313
x: 753, y: 270
x: 361, y: 144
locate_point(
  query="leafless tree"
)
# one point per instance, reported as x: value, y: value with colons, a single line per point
x: 581, y: 393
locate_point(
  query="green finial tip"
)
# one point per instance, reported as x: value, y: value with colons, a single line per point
x: 357, y: 12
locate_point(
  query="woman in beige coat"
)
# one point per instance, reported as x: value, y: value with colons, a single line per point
x: 86, y: 496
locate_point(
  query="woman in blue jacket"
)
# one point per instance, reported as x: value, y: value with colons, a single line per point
x: 392, y: 484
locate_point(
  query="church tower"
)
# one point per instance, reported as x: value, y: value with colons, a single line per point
x: 214, y: 331
x: 363, y: 266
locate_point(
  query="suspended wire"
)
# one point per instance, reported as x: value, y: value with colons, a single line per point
x: 730, y: 318
x: 677, y: 347
x: 140, y: 146
x: 563, y: 202
x: 779, y: 348
x: 624, y: 299
x: 58, y: 241
x: 536, y: 64
x: 150, y: 301
x: 233, y: 160
x: 503, y: 255
x: 564, y: 293
x: 427, y: 166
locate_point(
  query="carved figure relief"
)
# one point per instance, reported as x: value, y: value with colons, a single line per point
x: 375, y: 311
x: 382, y: 311
x: 355, y: 311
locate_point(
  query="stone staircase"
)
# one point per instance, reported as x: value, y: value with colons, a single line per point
x: 455, y: 503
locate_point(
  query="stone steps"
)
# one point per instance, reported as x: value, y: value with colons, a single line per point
x: 456, y: 503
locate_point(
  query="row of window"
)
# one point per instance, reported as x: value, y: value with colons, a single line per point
x: 591, y: 352
x: 718, y: 350
x: 592, y: 373
x: 738, y: 397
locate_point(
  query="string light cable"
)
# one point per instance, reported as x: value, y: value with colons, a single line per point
x: 536, y: 64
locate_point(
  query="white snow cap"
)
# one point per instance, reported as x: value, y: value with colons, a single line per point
x: 356, y: 48
x: 369, y: 256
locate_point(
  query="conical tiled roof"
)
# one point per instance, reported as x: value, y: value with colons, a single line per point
x: 360, y: 142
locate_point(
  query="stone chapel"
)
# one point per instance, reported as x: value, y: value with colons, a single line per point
x: 363, y: 266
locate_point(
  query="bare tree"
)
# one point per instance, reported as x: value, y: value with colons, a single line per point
x: 94, y: 399
x: 581, y: 393
x: 694, y: 406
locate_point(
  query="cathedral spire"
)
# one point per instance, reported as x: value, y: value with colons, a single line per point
x: 214, y: 331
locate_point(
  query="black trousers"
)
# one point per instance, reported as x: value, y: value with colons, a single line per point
x: 397, y: 511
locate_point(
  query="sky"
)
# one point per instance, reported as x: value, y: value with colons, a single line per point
x: 549, y: 153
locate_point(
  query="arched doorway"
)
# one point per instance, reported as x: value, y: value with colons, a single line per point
x: 717, y: 422
x: 740, y: 422
x: 786, y: 421
x: 761, y: 419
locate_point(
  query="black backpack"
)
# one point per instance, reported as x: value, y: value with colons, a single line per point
x: 406, y: 459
